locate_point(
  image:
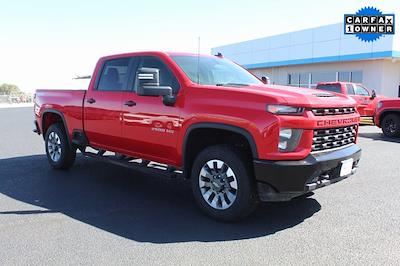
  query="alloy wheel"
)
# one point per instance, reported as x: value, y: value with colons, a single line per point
x: 218, y: 184
x: 54, y: 146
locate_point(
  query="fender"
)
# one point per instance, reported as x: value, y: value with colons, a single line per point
x: 227, y: 127
x: 54, y: 111
x: 389, y: 110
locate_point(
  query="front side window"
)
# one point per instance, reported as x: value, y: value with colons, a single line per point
x: 359, y: 90
x: 114, y: 75
x: 330, y: 87
x: 214, y: 71
x: 167, y: 78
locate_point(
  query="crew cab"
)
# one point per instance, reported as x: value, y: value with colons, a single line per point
x: 387, y: 117
x: 366, y: 99
x: 207, y: 119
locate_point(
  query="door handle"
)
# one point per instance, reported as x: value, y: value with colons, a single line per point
x: 91, y: 100
x: 130, y: 103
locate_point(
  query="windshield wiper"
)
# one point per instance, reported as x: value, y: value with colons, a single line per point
x: 231, y: 84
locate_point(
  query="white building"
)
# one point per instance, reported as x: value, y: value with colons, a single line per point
x: 304, y: 58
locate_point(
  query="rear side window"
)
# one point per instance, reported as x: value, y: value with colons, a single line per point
x: 330, y: 87
x: 167, y: 78
x: 349, y: 89
x: 114, y: 76
x: 361, y: 91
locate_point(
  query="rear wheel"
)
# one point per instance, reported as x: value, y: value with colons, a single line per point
x: 222, y: 183
x: 59, y: 154
x: 391, y: 125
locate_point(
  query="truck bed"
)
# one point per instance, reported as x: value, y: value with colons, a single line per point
x: 68, y: 102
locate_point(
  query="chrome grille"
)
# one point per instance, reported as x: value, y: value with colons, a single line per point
x: 333, y: 137
x: 333, y: 111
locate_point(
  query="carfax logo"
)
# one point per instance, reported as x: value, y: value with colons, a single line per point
x: 369, y: 24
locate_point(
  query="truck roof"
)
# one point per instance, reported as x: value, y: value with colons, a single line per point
x: 336, y: 82
x: 155, y: 53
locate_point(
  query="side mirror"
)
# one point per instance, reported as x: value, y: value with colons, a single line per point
x: 265, y: 80
x: 373, y: 95
x: 149, y: 85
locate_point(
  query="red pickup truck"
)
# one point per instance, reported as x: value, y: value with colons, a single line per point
x: 387, y: 117
x: 366, y: 99
x: 207, y: 119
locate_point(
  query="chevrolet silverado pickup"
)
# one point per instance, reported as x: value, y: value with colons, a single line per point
x: 387, y: 117
x: 207, y: 119
x: 366, y: 99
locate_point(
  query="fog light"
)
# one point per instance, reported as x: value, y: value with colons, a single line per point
x: 289, y: 139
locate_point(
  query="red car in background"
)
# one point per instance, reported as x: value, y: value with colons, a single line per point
x: 366, y: 99
x: 387, y: 117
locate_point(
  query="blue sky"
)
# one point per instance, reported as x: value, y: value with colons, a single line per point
x: 45, y: 43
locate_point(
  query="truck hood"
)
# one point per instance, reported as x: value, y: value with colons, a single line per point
x: 301, y: 97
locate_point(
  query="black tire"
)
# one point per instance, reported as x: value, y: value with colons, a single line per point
x: 245, y: 195
x: 67, y: 154
x: 391, y: 125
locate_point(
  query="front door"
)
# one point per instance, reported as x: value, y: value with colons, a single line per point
x: 149, y: 128
x: 364, y: 101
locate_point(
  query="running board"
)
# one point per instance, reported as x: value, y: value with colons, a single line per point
x: 151, y: 168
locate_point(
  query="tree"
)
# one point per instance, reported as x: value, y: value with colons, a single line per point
x: 10, y: 89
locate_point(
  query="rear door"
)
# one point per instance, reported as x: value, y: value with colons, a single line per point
x: 102, y: 113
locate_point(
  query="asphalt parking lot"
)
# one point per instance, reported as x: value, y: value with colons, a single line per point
x: 97, y: 213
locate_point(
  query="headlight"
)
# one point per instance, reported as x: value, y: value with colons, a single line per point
x: 289, y: 139
x: 379, y: 105
x: 284, y: 109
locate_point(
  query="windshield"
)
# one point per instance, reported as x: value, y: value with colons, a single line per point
x: 214, y: 71
x: 330, y: 87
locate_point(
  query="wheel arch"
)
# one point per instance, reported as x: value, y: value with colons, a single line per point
x: 187, y: 160
x: 55, y: 117
x: 388, y: 112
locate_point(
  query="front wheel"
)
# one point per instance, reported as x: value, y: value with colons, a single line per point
x: 391, y: 125
x: 59, y: 154
x: 222, y: 183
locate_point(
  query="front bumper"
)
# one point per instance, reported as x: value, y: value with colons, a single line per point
x: 284, y: 180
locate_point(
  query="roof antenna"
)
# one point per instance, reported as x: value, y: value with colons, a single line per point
x: 198, y: 61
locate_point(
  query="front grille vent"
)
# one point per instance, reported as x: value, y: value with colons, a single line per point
x: 325, y: 139
x: 333, y: 111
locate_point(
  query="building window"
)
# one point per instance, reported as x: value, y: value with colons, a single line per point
x: 299, y: 79
x: 305, y: 79
x: 310, y: 80
x: 323, y: 77
x: 356, y: 76
x: 293, y: 79
x: 344, y: 76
